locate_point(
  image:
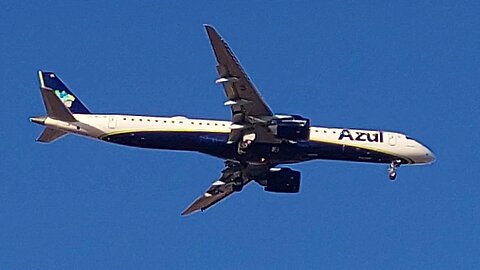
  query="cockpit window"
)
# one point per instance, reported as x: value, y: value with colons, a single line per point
x: 410, y: 138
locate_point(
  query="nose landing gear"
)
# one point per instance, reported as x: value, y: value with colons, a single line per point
x: 392, y: 170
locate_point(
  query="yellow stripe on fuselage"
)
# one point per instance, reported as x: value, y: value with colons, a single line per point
x: 160, y: 130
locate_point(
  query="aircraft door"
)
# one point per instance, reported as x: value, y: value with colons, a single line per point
x: 392, y: 139
x: 112, y: 122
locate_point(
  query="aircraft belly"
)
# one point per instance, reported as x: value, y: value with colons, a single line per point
x: 332, y: 151
x: 304, y: 151
x: 188, y: 141
x: 215, y: 144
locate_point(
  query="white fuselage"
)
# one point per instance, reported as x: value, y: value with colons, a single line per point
x: 99, y: 126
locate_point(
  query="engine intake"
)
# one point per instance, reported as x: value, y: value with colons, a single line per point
x: 281, y: 180
x: 292, y: 127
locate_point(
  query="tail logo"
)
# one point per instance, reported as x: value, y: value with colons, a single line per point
x: 66, y: 98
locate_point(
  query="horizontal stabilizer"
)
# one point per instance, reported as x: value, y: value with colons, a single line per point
x: 49, y: 135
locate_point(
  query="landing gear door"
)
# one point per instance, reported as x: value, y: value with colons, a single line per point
x: 112, y: 122
x: 392, y: 139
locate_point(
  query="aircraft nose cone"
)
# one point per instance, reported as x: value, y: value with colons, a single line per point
x: 430, y: 155
x: 427, y: 155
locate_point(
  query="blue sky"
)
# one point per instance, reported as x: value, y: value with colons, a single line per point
x: 83, y: 204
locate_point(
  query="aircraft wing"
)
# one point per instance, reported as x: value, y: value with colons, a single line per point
x: 233, y: 174
x: 214, y: 194
x: 249, y: 110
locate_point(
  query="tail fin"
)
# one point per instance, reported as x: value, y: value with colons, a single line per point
x: 56, y: 109
x: 50, y: 81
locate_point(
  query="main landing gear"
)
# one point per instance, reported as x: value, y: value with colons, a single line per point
x: 392, y: 170
x: 246, y: 141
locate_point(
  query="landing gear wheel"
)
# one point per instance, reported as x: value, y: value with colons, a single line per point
x: 392, y: 175
x: 245, y: 143
x: 242, y: 147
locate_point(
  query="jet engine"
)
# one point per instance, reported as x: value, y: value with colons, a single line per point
x: 281, y: 180
x: 290, y: 127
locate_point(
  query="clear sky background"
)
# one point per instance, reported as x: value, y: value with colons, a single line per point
x: 83, y: 204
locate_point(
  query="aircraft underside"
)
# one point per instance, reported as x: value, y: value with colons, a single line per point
x: 215, y: 144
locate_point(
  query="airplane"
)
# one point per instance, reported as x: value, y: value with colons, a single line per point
x: 253, y: 144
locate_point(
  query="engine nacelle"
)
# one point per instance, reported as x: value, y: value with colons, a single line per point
x: 292, y: 127
x: 281, y: 180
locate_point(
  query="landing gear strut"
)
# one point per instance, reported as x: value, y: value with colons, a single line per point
x: 392, y: 170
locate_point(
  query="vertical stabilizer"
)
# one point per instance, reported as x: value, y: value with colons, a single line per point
x: 56, y: 109
x: 51, y: 81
